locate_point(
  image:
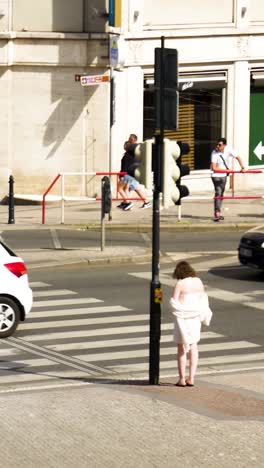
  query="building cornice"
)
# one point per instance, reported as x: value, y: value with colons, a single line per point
x: 194, y: 32
x: 53, y: 35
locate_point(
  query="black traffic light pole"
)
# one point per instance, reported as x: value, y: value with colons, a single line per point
x: 166, y: 110
x: 155, y: 286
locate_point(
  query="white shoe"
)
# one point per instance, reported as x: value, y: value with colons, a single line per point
x: 128, y: 206
x: 145, y: 205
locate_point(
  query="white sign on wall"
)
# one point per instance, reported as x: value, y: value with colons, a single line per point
x: 117, y: 51
x: 91, y: 80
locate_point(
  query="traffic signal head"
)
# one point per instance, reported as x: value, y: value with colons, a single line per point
x: 143, y: 172
x: 184, y: 147
x: 166, y: 88
x: 173, y: 191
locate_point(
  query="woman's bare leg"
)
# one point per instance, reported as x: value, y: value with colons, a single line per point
x: 193, y: 357
x: 181, y: 363
x: 122, y: 190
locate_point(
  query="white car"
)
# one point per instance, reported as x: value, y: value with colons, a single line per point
x: 15, y: 294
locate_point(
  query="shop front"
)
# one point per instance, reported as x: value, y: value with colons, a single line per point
x: 201, y: 119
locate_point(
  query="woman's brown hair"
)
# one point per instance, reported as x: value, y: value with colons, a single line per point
x: 183, y: 270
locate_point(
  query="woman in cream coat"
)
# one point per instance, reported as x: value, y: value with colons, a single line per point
x: 190, y: 309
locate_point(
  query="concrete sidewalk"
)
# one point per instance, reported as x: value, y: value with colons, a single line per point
x: 196, y: 210
x: 196, y: 215
x: 217, y: 423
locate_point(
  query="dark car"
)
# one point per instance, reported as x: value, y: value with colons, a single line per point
x: 251, y: 248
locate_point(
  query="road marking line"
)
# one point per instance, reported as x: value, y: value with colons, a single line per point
x: 229, y: 296
x: 54, y: 292
x: 55, y: 239
x: 202, y: 253
x: 62, y: 302
x: 255, y: 305
x: 171, y: 372
x: 89, y: 321
x: 71, y: 374
x: 46, y: 387
x: 39, y: 284
x: 112, y: 343
x: 108, y: 343
x: 32, y: 376
x: 83, y: 361
x: 176, y: 256
x: 50, y: 358
x: 146, y: 237
x: 207, y: 265
x: 203, y: 265
x: 8, y: 352
x: 69, y: 312
x: 169, y: 351
x: 219, y: 294
x: 95, y: 333
x: 202, y: 362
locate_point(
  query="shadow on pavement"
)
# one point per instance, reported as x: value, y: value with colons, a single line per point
x: 238, y: 273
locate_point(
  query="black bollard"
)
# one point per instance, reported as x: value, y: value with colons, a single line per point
x: 11, y: 204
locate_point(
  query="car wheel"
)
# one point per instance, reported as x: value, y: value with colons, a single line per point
x: 9, y: 316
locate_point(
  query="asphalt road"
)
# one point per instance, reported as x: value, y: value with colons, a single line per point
x: 92, y: 322
x: 129, y: 285
x: 169, y: 241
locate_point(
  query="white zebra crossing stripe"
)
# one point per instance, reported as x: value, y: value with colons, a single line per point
x: 184, y: 255
x: 117, y: 330
x: 113, y: 343
x: 62, y: 302
x: 233, y: 358
x: 147, y: 276
x: 206, y: 265
x: 219, y: 294
x: 39, y: 284
x: 83, y: 322
x: 141, y: 354
x: 213, y: 361
x: 54, y: 292
x: 60, y: 313
x: 256, y: 305
x: 119, y: 339
x: 7, y: 378
x: 228, y: 296
x: 7, y: 352
x: 110, y: 343
x: 52, y: 356
x: 177, y: 256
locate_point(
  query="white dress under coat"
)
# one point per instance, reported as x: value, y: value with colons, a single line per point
x: 189, y: 313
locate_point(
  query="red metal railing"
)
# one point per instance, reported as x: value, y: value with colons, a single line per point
x: 62, y: 198
x: 44, y: 197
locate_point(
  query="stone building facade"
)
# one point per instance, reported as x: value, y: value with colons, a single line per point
x: 50, y: 124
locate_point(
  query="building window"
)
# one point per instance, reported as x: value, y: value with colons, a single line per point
x: 200, y: 118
